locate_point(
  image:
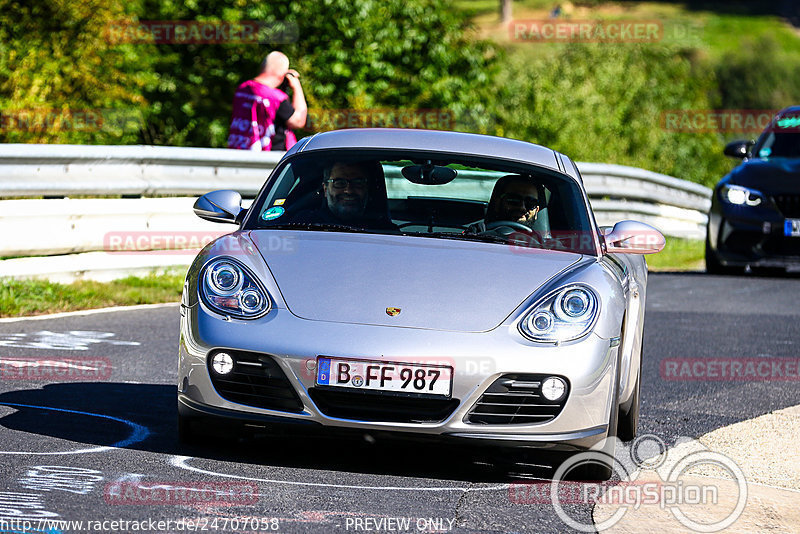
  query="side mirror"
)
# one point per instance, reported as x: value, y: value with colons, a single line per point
x: 633, y: 237
x: 738, y: 149
x: 223, y: 206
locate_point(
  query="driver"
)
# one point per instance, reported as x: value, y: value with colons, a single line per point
x: 351, y: 196
x: 515, y: 198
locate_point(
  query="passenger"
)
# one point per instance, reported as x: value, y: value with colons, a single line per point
x: 354, y: 194
x: 515, y: 198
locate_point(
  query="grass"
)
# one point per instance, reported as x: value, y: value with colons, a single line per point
x: 37, y: 297
x: 679, y: 255
x: 713, y: 33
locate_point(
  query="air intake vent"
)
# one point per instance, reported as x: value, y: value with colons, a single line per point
x: 381, y: 407
x: 516, y: 400
x: 788, y: 204
x: 256, y: 380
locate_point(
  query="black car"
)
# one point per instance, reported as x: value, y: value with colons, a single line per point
x: 755, y: 210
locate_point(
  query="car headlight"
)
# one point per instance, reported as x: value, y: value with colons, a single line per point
x: 563, y: 315
x: 738, y: 195
x: 230, y: 289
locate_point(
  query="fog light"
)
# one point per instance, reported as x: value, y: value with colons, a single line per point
x: 222, y: 363
x: 553, y: 388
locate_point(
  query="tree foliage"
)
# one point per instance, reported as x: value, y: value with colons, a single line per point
x: 352, y: 54
x: 57, y: 70
x: 606, y: 103
x: 594, y: 102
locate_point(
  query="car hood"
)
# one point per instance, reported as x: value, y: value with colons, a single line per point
x: 440, y: 284
x: 771, y: 176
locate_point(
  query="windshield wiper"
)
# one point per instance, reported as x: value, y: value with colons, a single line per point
x: 468, y: 237
x: 324, y: 227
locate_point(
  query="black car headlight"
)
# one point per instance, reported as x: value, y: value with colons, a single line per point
x: 563, y: 315
x: 227, y: 287
x: 738, y: 195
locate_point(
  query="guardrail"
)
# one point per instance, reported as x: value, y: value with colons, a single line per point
x: 74, y: 232
x: 69, y: 170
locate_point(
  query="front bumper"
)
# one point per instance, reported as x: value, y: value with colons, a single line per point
x: 478, y: 359
x: 755, y: 241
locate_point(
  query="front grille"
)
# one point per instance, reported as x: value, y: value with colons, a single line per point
x: 789, y: 205
x: 256, y: 380
x: 778, y: 245
x: 516, y: 399
x: 365, y: 406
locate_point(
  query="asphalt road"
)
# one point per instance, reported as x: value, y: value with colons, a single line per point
x: 75, y: 441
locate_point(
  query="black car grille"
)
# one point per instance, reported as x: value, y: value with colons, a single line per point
x: 366, y: 406
x: 782, y: 246
x: 516, y: 400
x: 789, y: 205
x: 256, y: 380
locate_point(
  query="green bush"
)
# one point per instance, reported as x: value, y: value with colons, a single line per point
x: 759, y: 75
x: 604, y: 103
x: 352, y: 54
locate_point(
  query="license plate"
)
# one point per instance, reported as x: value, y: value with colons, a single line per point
x: 394, y: 377
x: 791, y: 228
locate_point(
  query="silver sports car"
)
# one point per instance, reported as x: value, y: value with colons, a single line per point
x: 434, y: 283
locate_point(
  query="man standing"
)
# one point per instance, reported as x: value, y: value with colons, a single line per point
x: 262, y: 115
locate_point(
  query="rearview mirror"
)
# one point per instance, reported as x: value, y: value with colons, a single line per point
x: 738, y: 149
x: 429, y: 174
x: 633, y: 237
x: 224, y: 206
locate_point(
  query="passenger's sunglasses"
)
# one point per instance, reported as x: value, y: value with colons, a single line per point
x: 515, y: 201
x: 342, y: 183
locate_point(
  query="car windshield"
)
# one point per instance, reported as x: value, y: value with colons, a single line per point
x: 778, y: 145
x: 426, y: 195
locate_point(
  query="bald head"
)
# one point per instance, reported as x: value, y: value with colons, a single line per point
x: 275, y: 64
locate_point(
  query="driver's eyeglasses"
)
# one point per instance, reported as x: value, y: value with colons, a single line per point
x: 341, y: 183
x: 515, y: 200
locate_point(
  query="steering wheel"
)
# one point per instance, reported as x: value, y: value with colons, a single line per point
x: 495, y: 227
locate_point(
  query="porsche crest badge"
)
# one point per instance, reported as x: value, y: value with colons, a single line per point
x: 391, y: 312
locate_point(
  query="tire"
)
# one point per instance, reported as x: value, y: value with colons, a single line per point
x: 603, y: 470
x: 629, y: 418
x: 186, y: 434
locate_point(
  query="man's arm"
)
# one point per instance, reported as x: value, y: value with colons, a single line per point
x: 298, y: 118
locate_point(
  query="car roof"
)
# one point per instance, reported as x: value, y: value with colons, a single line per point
x: 437, y: 141
x: 791, y: 110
